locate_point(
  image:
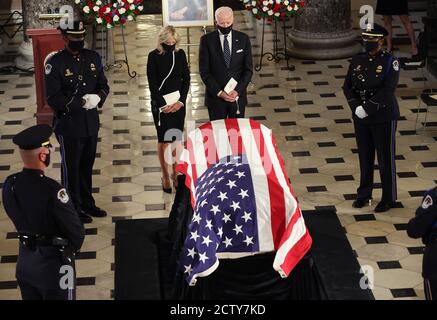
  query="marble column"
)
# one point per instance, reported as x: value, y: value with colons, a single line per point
x: 323, y: 31
x: 31, y: 10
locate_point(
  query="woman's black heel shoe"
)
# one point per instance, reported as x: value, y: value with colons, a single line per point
x: 166, y: 190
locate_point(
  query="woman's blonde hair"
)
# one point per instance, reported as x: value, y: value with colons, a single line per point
x: 164, y: 34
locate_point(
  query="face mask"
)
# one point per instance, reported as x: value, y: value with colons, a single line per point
x: 371, y: 46
x: 47, y: 160
x: 76, y: 46
x: 225, y: 30
x: 168, y: 47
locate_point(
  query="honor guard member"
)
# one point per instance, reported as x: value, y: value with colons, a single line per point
x: 75, y: 86
x: 47, y: 223
x: 370, y: 91
x: 424, y: 225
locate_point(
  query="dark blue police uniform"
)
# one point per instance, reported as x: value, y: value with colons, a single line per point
x: 68, y: 78
x: 370, y: 85
x: 424, y: 225
x: 47, y: 223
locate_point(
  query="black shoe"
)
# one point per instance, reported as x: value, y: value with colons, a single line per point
x: 384, y: 206
x: 96, y: 212
x: 84, y: 218
x: 360, y: 202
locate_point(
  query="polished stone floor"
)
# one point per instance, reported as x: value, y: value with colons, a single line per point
x: 311, y: 121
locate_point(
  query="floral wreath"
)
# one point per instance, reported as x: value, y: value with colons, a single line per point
x: 110, y: 12
x: 273, y: 9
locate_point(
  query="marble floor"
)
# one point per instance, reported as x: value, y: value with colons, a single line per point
x: 311, y: 121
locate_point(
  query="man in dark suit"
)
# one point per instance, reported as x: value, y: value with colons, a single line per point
x: 225, y: 54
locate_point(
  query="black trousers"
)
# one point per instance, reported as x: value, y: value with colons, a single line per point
x: 226, y: 110
x: 430, y: 289
x: 379, y: 138
x: 29, y: 292
x: 78, y: 155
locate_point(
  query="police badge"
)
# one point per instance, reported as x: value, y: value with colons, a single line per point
x: 93, y: 67
x: 396, y: 65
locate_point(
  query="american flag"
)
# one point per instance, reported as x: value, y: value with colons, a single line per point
x: 242, y: 199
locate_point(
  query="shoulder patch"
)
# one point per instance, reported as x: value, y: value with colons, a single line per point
x: 427, y: 202
x: 63, y: 196
x: 396, y: 65
x: 48, y: 68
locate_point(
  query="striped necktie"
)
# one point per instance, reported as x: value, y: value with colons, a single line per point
x: 226, y: 51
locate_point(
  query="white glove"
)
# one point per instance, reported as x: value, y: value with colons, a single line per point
x: 360, y: 112
x: 92, y: 100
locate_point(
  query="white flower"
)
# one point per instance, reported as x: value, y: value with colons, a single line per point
x: 130, y: 18
x: 132, y: 7
x: 122, y: 10
x: 114, y: 5
x: 265, y: 9
x: 130, y: 1
x: 286, y: 2
x: 255, y: 10
x: 140, y: 8
x: 253, y: 3
x: 120, y: 1
x: 265, y: 3
x: 278, y: 1
x: 96, y: 8
x: 271, y: 1
x: 289, y: 8
x: 270, y: 12
x: 98, y: 2
x: 116, y: 18
x: 86, y: 9
x: 277, y: 14
x: 109, y: 26
x: 246, y: 1
x: 296, y: 8
x: 99, y: 20
x: 77, y: 1
x: 107, y: 10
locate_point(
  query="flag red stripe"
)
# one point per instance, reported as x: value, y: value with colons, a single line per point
x: 277, y: 202
x: 234, y: 135
x: 192, y: 159
x: 209, y: 144
x: 300, y: 248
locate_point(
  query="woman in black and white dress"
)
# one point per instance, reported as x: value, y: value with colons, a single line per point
x: 168, y: 73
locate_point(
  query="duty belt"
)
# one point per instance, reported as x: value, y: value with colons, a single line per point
x: 32, y: 241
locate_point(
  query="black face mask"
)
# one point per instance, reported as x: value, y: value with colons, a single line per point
x: 47, y: 160
x: 371, y: 46
x: 168, y: 47
x: 225, y: 30
x: 76, y: 46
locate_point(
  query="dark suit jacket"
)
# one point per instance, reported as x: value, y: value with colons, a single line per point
x: 213, y: 69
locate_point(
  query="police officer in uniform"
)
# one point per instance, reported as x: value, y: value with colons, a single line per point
x: 424, y: 225
x: 370, y: 91
x: 49, y: 228
x: 75, y: 86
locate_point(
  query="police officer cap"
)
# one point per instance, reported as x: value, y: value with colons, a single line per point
x: 34, y: 137
x: 376, y: 31
x: 429, y: 202
x: 78, y: 29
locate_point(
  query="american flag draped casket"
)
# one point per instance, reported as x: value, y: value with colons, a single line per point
x: 242, y: 200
